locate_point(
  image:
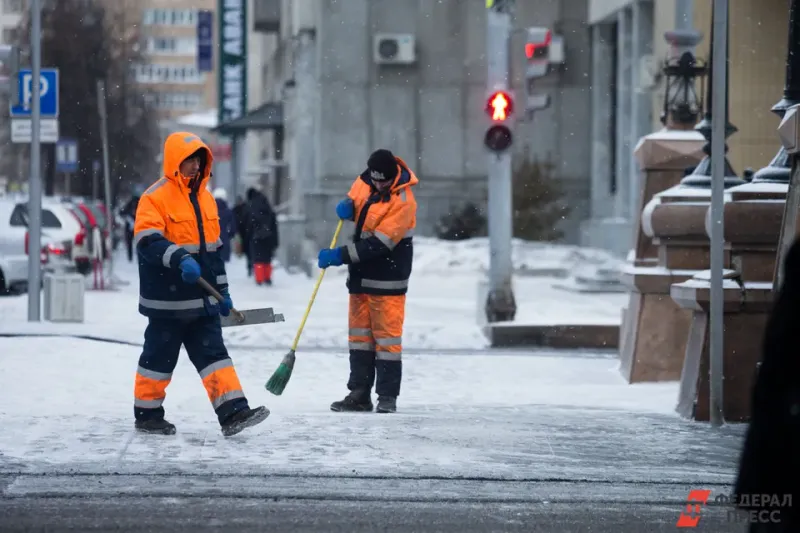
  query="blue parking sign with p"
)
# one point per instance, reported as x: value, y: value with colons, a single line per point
x: 48, y: 90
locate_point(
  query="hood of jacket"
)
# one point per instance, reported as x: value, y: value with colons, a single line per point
x: 405, y: 178
x: 177, y: 148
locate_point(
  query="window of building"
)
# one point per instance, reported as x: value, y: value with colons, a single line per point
x: 9, y: 35
x: 170, y: 17
x: 172, y: 45
x: 179, y: 74
x: 13, y: 6
x: 178, y: 101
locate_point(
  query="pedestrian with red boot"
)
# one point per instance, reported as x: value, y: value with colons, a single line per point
x: 262, y: 231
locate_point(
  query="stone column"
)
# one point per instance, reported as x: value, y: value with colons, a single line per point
x: 753, y: 219
x: 675, y: 220
x: 663, y: 156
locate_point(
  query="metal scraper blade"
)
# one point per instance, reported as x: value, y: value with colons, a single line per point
x: 265, y: 315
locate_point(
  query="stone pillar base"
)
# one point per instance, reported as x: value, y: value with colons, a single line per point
x: 746, y: 309
x: 291, y: 253
x: 653, y: 338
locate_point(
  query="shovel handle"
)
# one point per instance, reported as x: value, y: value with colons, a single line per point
x: 238, y: 315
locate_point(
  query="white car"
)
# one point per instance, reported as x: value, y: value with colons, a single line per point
x: 59, y: 230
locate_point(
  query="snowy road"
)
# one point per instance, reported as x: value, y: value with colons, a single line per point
x: 245, y: 515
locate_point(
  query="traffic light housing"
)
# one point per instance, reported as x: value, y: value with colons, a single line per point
x: 499, y: 109
x: 537, y: 51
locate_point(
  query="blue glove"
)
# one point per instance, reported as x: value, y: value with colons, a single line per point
x: 226, y: 305
x: 190, y: 269
x: 345, y: 209
x: 329, y: 257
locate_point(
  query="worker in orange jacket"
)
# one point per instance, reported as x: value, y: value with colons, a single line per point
x: 382, y: 205
x: 177, y: 239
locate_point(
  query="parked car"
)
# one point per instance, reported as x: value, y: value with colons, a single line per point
x: 82, y: 245
x: 60, y: 228
x: 94, y: 211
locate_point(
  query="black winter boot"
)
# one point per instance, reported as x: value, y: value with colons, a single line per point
x: 244, y: 419
x: 157, y: 426
x: 386, y: 404
x: 355, y: 402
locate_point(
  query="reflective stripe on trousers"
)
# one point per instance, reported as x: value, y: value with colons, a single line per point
x: 150, y: 388
x: 221, y: 382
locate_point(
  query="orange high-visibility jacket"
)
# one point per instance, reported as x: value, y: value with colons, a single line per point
x: 176, y: 218
x: 382, y: 250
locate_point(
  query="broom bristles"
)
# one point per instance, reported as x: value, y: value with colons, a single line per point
x: 280, y: 378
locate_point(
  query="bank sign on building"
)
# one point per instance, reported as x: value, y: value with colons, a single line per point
x: 232, y: 70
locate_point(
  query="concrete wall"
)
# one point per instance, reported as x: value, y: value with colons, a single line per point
x: 431, y: 113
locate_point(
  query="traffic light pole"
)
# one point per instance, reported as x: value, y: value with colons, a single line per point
x: 500, y: 304
x: 35, y: 185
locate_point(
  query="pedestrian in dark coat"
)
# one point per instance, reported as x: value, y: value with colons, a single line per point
x: 770, y: 464
x: 227, y: 223
x: 240, y: 214
x: 128, y: 213
x: 263, y: 233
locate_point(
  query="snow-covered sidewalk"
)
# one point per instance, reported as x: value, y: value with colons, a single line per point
x: 464, y: 411
x: 69, y: 409
x: 441, y: 313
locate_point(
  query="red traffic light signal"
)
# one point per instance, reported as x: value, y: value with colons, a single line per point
x: 500, y: 106
x: 538, y: 45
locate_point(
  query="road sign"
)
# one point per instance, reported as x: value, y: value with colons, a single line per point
x: 67, y: 156
x: 21, y: 130
x: 48, y: 90
x: 205, y: 41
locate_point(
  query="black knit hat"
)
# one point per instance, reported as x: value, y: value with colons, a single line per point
x: 382, y: 165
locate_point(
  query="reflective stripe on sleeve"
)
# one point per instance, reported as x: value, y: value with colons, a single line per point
x: 171, y: 249
x: 145, y: 233
x: 353, y: 253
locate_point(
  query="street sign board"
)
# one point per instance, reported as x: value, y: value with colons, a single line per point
x: 48, y: 93
x: 205, y: 41
x: 21, y: 130
x: 67, y: 156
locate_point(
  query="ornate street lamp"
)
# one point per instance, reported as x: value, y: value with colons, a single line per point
x: 681, y: 70
x: 701, y: 176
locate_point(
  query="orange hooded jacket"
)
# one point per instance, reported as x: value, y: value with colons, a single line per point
x: 382, y: 251
x: 177, y: 217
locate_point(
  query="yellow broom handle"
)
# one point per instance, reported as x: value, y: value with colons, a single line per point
x: 316, y: 288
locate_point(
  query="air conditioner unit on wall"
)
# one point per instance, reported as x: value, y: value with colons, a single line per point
x: 394, y: 49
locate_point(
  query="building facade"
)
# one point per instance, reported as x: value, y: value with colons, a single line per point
x: 628, y: 47
x: 11, y: 12
x: 341, y: 100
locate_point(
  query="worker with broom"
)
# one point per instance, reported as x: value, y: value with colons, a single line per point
x: 177, y: 238
x: 382, y: 205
